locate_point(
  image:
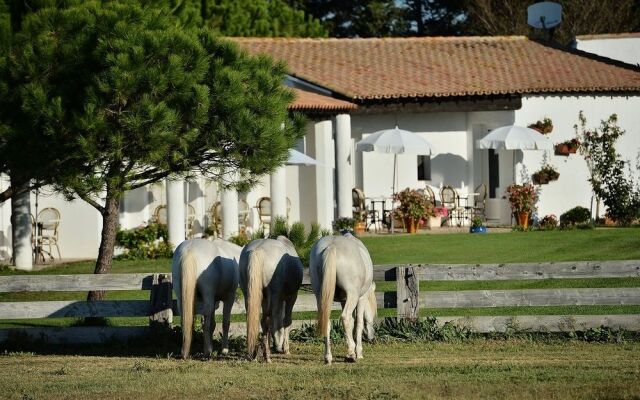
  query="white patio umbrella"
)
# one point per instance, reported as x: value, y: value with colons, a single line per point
x: 514, y: 137
x: 298, y: 158
x: 395, y: 141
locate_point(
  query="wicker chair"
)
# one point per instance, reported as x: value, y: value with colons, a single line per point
x: 450, y: 200
x: 480, y: 202
x: 48, y: 235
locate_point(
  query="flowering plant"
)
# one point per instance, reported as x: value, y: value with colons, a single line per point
x: 545, y: 126
x: 413, y: 204
x: 546, y: 174
x: 344, y: 223
x: 571, y: 144
x: 522, y: 198
x: 549, y: 222
x: 440, y: 211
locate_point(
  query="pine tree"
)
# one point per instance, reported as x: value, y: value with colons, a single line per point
x: 125, y: 97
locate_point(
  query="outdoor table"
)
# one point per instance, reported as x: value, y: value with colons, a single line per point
x: 383, y: 215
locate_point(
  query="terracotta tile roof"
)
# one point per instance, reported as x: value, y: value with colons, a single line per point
x: 308, y: 101
x: 433, y: 67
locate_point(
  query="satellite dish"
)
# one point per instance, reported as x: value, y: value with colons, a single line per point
x: 544, y: 15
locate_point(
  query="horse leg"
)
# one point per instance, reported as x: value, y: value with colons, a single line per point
x: 266, y: 321
x: 209, y: 324
x: 288, y: 310
x: 277, y: 329
x: 226, y: 321
x: 347, y: 321
x: 362, y: 304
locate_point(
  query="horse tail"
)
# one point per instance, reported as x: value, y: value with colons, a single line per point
x: 188, y: 266
x: 373, y: 302
x: 328, y: 289
x: 254, y: 299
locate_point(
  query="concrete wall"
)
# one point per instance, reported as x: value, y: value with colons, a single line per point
x: 572, y: 188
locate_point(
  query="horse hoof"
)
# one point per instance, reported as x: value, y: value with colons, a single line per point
x: 224, y: 352
x: 268, y: 361
x: 350, y: 358
x: 327, y: 361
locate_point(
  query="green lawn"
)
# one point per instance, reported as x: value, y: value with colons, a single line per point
x: 511, y: 247
x: 491, y: 369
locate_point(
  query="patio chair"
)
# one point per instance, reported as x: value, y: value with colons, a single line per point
x: 160, y: 215
x: 264, y: 212
x: 243, y: 215
x: 360, y: 211
x: 480, y: 201
x: 450, y: 200
x: 216, y: 218
x: 428, y: 193
x: 191, y: 218
x: 48, y: 234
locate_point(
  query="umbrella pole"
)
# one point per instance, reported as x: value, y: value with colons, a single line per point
x: 393, y: 190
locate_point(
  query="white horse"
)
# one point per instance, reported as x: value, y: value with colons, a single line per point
x: 208, y: 269
x: 341, y: 270
x: 270, y: 276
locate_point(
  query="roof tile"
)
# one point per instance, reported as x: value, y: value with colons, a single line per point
x: 427, y: 67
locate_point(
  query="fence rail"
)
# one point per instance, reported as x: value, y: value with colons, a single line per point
x: 407, y: 299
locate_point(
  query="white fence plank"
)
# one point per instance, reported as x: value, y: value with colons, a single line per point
x: 530, y: 297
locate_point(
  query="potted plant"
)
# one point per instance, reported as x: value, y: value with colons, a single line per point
x: 545, y: 175
x: 567, y: 147
x: 545, y: 126
x: 522, y: 199
x: 346, y: 224
x: 413, y: 207
x: 435, y: 221
x: 477, y: 226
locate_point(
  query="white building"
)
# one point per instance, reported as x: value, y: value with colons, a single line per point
x: 450, y: 90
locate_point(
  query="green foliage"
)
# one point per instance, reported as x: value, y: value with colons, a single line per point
x: 146, y: 242
x: 298, y: 236
x: 476, y: 222
x: 619, y: 190
x: 423, y: 329
x: 548, y: 223
x: 343, y: 223
x: 254, y: 18
x: 575, y: 216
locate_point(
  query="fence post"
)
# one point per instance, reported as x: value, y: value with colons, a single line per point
x: 161, y: 301
x: 408, y: 292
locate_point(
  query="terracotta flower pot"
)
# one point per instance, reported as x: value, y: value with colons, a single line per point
x: 563, y: 150
x: 523, y: 219
x: 360, y: 227
x: 411, y: 224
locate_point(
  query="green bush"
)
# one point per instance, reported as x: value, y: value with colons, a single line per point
x: 146, y: 242
x: 577, y: 216
x: 298, y: 236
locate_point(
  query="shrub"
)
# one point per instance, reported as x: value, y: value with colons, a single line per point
x: 575, y: 217
x: 549, y: 222
x: 145, y: 242
x: 298, y: 236
x: 343, y: 223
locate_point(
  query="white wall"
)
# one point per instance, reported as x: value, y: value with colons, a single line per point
x: 572, y: 188
x: 625, y: 49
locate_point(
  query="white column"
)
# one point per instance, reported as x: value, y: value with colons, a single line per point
x: 343, y: 165
x: 229, y: 213
x: 324, y: 173
x: 21, y: 227
x: 278, y: 193
x: 175, y: 212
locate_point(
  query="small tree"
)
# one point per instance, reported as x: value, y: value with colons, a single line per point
x: 124, y: 98
x: 618, y: 190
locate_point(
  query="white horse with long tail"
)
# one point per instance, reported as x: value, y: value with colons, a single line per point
x: 209, y: 270
x: 341, y: 270
x: 270, y: 276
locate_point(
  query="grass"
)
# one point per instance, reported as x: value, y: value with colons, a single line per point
x: 511, y: 247
x: 510, y: 369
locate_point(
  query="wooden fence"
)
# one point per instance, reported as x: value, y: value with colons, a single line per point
x: 407, y: 299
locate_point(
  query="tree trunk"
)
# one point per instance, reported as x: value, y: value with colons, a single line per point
x: 107, y: 241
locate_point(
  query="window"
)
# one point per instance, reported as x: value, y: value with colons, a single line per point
x: 424, y: 168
